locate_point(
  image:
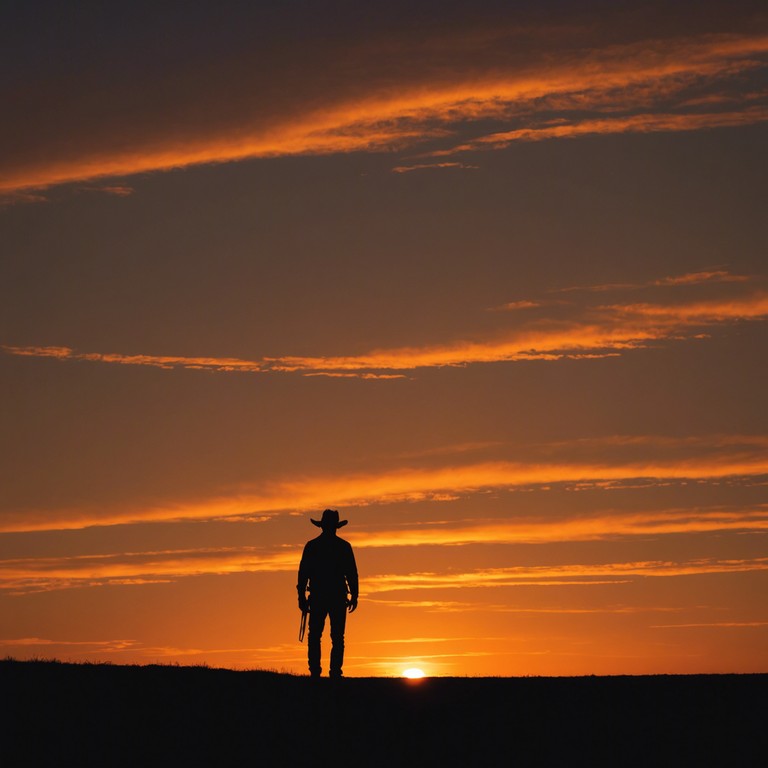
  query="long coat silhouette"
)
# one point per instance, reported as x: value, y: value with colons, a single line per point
x: 329, y: 570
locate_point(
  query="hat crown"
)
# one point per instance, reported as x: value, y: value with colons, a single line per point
x: 330, y: 517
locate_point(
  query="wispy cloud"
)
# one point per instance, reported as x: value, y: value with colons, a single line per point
x: 116, y: 190
x: 725, y: 459
x: 410, y: 640
x: 689, y: 278
x: 695, y: 278
x: 395, y: 94
x: 44, y: 574
x: 475, y: 605
x: 588, y: 528
x: 108, y: 645
x: 18, y: 197
x: 645, y: 123
x: 136, y: 650
x: 365, y: 375
x: 752, y: 306
x: 432, y: 166
x: 563, y: 575
x: 36, y: 574
x: 513, y: 306
x: 454, y: 448
x: 167, y: 362
x: 714, y: 625
x: 52, y: 574
x: 586, y: 332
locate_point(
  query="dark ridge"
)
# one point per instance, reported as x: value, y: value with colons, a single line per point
x: 108, y: 715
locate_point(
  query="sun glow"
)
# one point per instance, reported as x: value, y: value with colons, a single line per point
x: 414, y: 673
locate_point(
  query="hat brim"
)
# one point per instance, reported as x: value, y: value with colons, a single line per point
x: 321, y: 524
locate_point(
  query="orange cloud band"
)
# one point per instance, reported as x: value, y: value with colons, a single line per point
x: 591, y: 528
x: 643, y: 123
x: 562, y: 575
x: 42, y: 574
x: 689, y: 278
x: 403, y: 485
x: 404, y: 106
x: 28, y: 575
x: 611, y: 329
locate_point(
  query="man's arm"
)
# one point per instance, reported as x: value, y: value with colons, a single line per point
x: 352, y: 581
x: 302, y: 581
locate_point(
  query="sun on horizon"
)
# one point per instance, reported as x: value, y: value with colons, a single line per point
x: 413, y: 673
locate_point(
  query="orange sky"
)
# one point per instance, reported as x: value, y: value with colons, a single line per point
x: 491, y: 282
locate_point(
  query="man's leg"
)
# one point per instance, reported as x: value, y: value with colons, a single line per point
x: 338, y: 614
x: 317, y: 615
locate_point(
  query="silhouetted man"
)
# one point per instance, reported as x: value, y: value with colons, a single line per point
x: 328, y: 568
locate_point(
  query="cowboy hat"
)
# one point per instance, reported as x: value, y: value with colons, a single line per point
x: 330, y: 519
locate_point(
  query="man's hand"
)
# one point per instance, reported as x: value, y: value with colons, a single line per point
x: 303, y: 603
x: 352, y: 605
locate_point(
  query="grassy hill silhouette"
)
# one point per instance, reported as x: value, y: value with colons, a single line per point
x: 108, y: 715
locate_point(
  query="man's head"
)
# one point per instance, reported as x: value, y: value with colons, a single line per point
x: 329, y: 522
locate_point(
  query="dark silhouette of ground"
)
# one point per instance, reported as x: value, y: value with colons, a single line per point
x: 99, y: 714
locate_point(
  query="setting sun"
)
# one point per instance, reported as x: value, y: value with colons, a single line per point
x: 414, y: 673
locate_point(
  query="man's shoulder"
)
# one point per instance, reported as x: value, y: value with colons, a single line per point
x: 327, y: 544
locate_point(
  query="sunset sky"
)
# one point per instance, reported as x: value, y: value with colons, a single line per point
x: 489, y: 278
